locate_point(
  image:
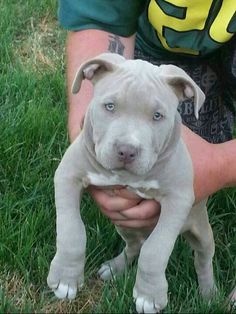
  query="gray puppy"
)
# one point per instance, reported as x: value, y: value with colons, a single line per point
x: 132, y: 137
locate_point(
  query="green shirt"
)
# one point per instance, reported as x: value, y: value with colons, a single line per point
x: 189, y: 27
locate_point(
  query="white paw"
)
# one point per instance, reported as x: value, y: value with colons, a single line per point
x: 64, y: 291
x: 61, y: 288
x: 105, y: 272
x: 144, y: 305
x: 65, y: 280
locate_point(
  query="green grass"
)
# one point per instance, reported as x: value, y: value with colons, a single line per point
x: 33, y: 139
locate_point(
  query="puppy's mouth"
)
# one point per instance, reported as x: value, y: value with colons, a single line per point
x: 134, y: 168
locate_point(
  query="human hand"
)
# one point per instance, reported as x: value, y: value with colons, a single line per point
x: 125, y: 208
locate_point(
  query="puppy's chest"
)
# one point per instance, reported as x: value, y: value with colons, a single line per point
x: 148, y: 189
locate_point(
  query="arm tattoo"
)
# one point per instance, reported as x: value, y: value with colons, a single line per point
x: 115, y: 45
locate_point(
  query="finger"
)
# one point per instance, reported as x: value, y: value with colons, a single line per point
x: 145, y: 214
x: 124, y: 192
x: 118, y: 219
x: 112, y: 215
x: 146, y: 209
x: 118, y: 190
x: 114, y: 203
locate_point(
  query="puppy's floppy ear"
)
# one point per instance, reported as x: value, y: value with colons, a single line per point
x: 91, y: 69
x: 183, y: 86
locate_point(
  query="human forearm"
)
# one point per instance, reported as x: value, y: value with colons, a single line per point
x: 81, y: 46
x: 227, y: 152
x: 214, y: 164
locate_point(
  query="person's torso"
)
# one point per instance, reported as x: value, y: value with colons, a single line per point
x: 195, y: 28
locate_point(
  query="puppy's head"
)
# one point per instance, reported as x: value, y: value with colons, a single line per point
x: 133, y: 116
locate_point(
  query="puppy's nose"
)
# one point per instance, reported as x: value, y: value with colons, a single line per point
x: 126, y: 152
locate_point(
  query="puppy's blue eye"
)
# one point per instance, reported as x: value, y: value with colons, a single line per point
x: 110, y: 106
x: 157, y: 116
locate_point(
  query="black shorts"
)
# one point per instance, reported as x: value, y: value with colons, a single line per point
x: 216, y: 76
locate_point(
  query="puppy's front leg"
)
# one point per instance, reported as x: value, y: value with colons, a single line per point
x: 150, y: 290
x: 67, y: 267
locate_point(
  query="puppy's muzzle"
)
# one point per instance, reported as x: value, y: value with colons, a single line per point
x: 126, y: 153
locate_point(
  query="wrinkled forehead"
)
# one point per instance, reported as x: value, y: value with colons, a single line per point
x: 136, y: 83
